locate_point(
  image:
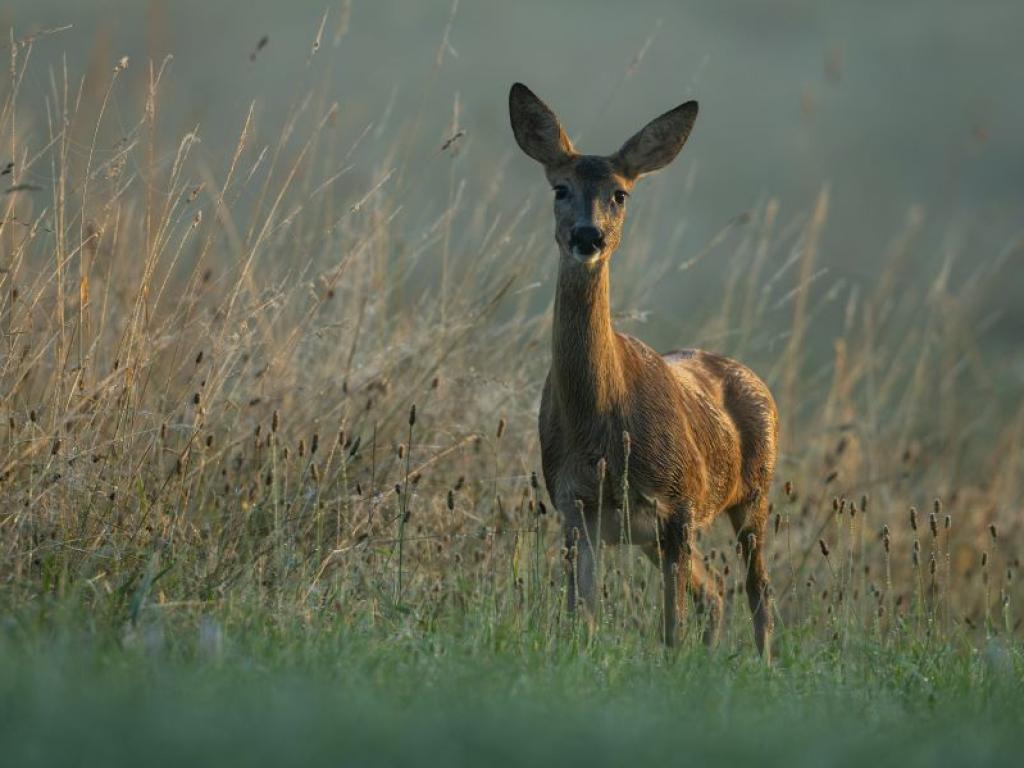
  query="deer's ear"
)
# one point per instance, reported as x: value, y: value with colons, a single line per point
x: 536, y: 128
x: 657, y: 143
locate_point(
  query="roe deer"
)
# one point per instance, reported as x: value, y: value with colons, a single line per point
x: 693, y: 433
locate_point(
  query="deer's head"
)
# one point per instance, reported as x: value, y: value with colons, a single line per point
x: 591, y: 190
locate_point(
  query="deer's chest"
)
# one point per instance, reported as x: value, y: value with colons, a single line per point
x: 587, y: 469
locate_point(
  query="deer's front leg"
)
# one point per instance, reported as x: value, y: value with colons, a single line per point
x: 675, y: 542
x: 581, y: 561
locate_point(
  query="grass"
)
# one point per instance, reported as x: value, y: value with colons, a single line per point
x: 267, y: 691
x: 228, y: 537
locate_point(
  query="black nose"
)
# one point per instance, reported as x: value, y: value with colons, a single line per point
x: 586, y: 240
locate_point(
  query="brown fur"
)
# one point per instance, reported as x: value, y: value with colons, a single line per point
x: 702, y: 428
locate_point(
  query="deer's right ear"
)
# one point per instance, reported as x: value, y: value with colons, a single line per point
x: 536, y: 128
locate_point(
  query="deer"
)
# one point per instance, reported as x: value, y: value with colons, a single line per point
x: 694, y: 434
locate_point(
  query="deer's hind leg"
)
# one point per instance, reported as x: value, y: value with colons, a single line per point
x: 749, y: 520
x: 704, y: 588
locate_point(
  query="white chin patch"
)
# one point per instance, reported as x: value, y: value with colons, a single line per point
x: 587, y: 259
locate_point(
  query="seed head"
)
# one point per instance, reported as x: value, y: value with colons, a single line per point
x: 824, y: 547
x: 412, y: 415
x: 275, y: 421
x: 992, y: 531
x: 501, y: 428
x: 913, y: 518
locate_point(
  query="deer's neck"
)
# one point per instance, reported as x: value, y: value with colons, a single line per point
x: 586, y: 367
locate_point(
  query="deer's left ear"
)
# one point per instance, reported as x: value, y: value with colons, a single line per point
x: 657, y: 143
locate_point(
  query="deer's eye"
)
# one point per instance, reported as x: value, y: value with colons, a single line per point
x: 619, y: 196
x: 561, y: 192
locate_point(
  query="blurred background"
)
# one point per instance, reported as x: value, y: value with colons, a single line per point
x: 909, y: 113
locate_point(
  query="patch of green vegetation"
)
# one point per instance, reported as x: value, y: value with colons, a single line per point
x: 257, y: 690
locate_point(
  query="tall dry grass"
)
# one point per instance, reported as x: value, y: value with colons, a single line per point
x: 210, y: 366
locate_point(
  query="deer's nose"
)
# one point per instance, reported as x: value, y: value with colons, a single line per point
x: 586, y: 240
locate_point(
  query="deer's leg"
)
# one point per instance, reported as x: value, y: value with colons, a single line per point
x: 703, y: 585
x: 707, y: 597
x: 675, y: 542
x: 581, y: 562
x: 749, y: 521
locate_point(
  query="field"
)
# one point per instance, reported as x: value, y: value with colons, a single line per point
x: 268, y: 472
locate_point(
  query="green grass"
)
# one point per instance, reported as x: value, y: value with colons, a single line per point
x: 265, y: 692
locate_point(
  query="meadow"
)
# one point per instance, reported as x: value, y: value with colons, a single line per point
x: 268, y: 475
